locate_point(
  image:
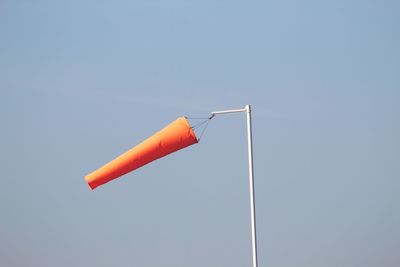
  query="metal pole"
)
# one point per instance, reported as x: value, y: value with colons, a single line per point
x: 229, y: 111
x: 251, y: 181
x: 247, y: 109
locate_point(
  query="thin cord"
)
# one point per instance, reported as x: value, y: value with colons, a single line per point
x: 206, y: 122
x: 199, y: 124
x: 198, y: 118
x: 204, y: 129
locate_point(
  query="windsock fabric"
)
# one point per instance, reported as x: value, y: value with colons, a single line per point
x: 173, y: 137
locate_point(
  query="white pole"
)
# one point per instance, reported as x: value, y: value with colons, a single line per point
x: 251, y: 181
x: 247, y: 109
x: 229, y: 111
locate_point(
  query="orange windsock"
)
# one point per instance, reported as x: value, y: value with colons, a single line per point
x: 173, y: 137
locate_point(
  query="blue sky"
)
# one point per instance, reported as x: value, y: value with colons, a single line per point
x: 83, y: 81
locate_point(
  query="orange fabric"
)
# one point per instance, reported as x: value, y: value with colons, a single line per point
x: 173, y: 137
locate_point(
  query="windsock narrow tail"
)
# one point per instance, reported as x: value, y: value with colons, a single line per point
x: 175, y: 136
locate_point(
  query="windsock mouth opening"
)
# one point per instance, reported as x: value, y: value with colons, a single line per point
x: 191, y: 129
x: 192, y: 132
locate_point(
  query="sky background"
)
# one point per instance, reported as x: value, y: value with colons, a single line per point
x: 83, y: 81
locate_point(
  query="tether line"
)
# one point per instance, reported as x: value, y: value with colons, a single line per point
x: 197, y: 125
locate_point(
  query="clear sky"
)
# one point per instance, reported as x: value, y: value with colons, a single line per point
x: 83, y: 81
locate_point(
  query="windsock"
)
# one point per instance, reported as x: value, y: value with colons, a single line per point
x: 175, y: 136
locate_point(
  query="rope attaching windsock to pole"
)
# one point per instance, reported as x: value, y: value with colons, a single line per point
x: 204, y: 122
